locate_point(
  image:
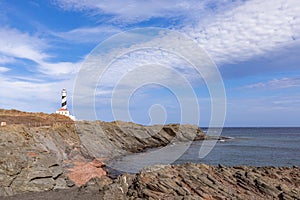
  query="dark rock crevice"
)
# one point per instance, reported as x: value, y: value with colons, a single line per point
x: 40, y: 178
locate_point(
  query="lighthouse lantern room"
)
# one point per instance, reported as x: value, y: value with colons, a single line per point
x: 63, y: 110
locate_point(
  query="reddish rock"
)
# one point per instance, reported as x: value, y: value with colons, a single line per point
x: 84, y: 171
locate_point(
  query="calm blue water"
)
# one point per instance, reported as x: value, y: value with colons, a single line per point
x: 252, y: 146
x: 249, y: 146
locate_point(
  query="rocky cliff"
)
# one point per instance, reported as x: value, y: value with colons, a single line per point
x: 42, y: 157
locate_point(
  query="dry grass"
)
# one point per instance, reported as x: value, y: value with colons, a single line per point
x: 33, y: 119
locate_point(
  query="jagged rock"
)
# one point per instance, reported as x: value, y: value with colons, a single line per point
x: 97, y: 184
x: 153, y: 168
x: 198, y: 181
x: 193, y: 181
x: 60, y: 183
x: 56, y: 171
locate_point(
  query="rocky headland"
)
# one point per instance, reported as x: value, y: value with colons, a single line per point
x: 51, y: 157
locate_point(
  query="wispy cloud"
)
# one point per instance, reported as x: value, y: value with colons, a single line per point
x: 23, y: 93
x: 21, y: 45
x: 275, y: 110
x: 251, y: 29
x: 229, y: 31
x: 40, y: 79
x: 276, y: 84
x: 6, y: 59
x: 134, y: 11
x: 59, y: 69
x: 18, y: 45
x: 4, y: 69
x: 87, y: 34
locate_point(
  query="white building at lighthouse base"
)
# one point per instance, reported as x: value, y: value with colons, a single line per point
x: 66, y: 113
x: 63, y: 112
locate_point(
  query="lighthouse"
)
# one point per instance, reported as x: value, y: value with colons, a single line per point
x: 64, y: 99
x: 63, y: 110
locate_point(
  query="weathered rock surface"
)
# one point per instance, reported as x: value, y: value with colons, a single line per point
x: 107, y: 140
x: 188, y: 181
x: 200, y: 181
x: 44, y: 158
x: 28, y: 163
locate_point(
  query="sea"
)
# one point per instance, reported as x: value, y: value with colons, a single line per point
x: 245, y: 146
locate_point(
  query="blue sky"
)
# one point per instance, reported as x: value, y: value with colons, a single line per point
x: 255, y: 45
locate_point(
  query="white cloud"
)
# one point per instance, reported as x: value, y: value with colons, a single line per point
x: 6, y: 59
x: 23, y: 91
x: 4, y: 69
x: 274, y: 110
x: 164, y: 59
x: 21, y: 45
x: 150, y: 59
x: 138, y: 59
x: 133, y: 11
x: 235, y: 31
x: 32, y: 94
x: 251, y: 29
x: 276, y: 84
x: 18, y: 45
x: 88, y: 34
x: 59, y: 69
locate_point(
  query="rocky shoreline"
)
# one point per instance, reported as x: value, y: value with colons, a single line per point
x: 67, y: 161
x: 200, y: 181
x: 188, y: 181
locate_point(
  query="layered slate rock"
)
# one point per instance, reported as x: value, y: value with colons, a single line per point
x: 200, y: 181
x: 188, y: 181
x: 29, y: 164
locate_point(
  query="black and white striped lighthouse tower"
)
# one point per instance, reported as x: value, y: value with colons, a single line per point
x: 64, y: 99
x: 63, y: 110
